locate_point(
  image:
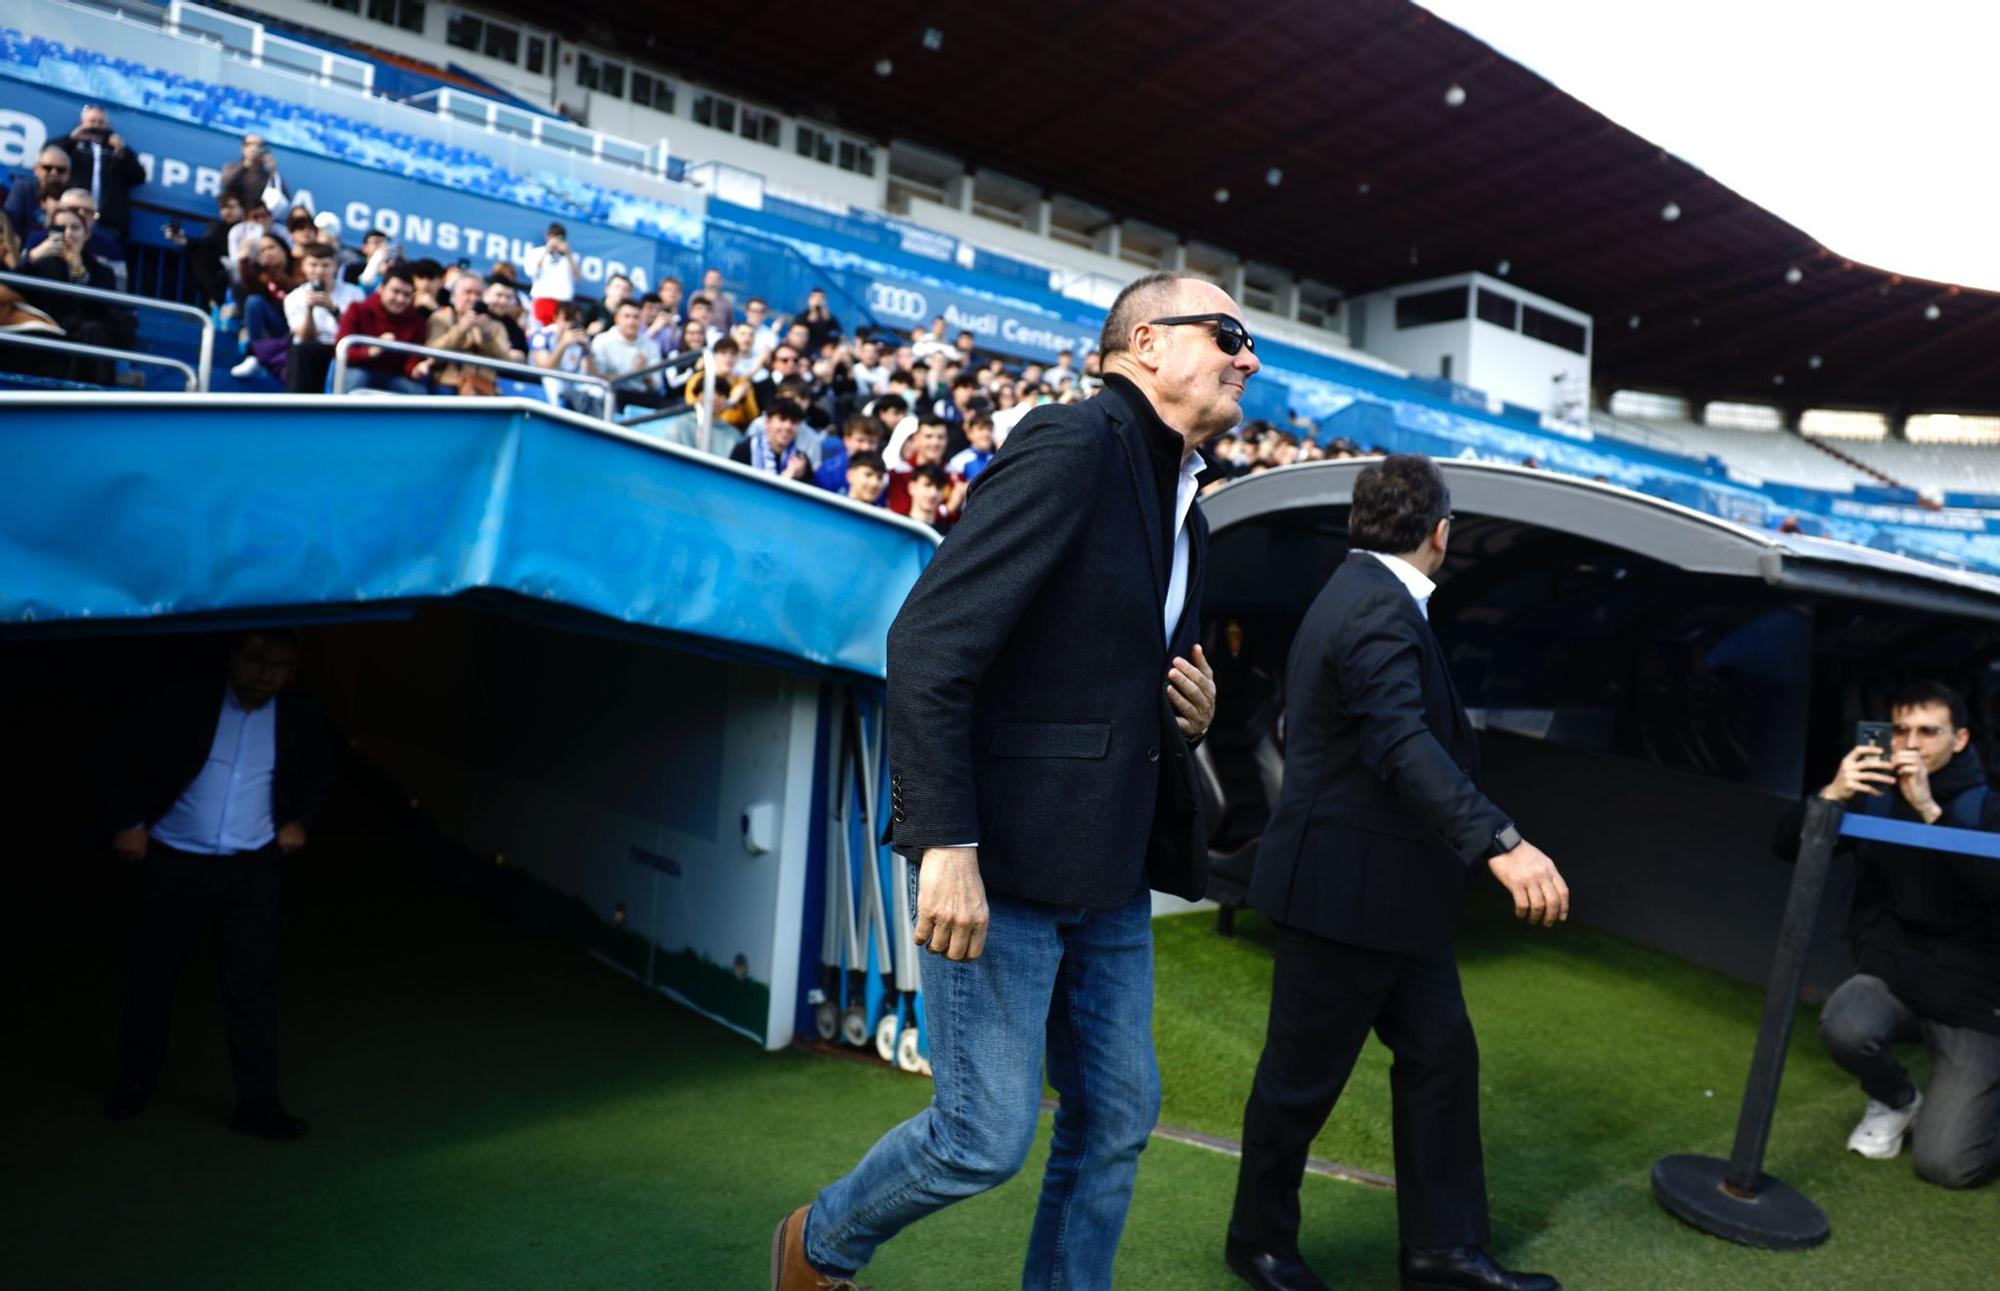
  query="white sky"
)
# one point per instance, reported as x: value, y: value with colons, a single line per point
x: 1867, y: 123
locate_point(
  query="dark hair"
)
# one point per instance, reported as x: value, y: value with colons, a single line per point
x: 891, y: 403
x: 399, y: 272
x: 979, y: 417
x: 426, y: 268
x: 1141, y: 298
x: 927, y: 419
x: 873, y: 461
x: 963, y: 380
x: 727, y: 345
x: 786, y: 409
x: 1912, y: 694
x: 314, y: 251
x: 375, y: 233
x: 619, y: 277
x: 936, y: 474
x: 1397, y: 502
x: 861, y: 424
x: 623, y: 305
x: 670, y: 278
x: 556, y: 231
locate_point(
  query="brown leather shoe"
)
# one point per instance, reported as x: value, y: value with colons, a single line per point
x: 790, y: 1269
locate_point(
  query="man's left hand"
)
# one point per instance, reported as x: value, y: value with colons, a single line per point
x: 291, y: 837
x: 1191, y: 687
x: 1914, y: 779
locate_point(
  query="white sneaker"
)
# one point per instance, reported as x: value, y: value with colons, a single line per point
x: 1879, y: 1137
x: 246, y: 369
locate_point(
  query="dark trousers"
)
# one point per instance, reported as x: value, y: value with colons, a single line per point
x: 179, y: 895
x: 1325, y: 998
x: 306, y: 367
x: 1956, y: 1139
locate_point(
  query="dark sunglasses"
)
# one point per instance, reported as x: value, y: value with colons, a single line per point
x: 1230, y: 337
x: 57, y: 169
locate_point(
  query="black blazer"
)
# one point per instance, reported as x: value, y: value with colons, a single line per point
x: 143, y: 778
x: 1380, y: 819
x: 1028, y: 667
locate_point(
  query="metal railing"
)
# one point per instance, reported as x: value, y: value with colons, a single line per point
x: 538, y: 127
x: 704, y: 411
x: 28, y: 285
x: 62, y: 346
x: 526, y: 371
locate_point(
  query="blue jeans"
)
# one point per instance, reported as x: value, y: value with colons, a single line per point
x: 263, y: 317
x: 1069, y: 984
x: 393, y: 382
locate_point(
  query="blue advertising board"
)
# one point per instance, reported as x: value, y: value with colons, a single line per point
x: 184, y: 164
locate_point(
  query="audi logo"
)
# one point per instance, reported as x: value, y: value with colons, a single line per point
x: 897, y: 302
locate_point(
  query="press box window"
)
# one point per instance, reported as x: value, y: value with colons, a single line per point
x: 611, y: 79
x: 537, y: 60
x: 464, y: 31
x: 503, y: 43
x: 715, y: 112
x: 649, y: 91
x: 586, y: 71
x: 1428, y: 307
x: 760, y: 126
x: 407, y: 14
x: 1499, y: 310
x: 1544, y: 326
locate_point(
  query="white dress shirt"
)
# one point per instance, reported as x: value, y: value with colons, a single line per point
x: 227, y: 806
x: 1419, y: 584
x: 1177, y: 582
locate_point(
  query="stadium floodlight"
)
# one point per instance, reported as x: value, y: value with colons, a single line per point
x: 1814, y: 362
x: 1795, y: 275
x: 1362, y: 188
x: 1670, y: 212
x: 884, y: 67
x: 1504, y: 268
x: 1932, y: 313
x: 1777, y: 378
x: 1633, y: 322
x: 1455, y: 96
x: 933, y: 39
x: 1274, y: 176
x: 1221, y: 194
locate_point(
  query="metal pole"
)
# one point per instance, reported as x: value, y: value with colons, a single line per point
x: 34, y: 342
x: 30, y: 284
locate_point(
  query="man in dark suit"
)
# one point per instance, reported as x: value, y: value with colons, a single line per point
x: 221, y: 782
x: 1363, y: 868
x: 102, y: 162
x: 1044, y: 683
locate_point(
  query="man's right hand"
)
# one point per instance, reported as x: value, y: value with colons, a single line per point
x: 1861, y: 771
x: 951, y: 903
x: 130, y: 844
x: 1531, y: 878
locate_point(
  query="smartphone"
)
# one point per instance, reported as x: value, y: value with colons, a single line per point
x: 1879, y: 734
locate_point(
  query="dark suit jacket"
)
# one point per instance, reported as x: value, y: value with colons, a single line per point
x: 143, y: 778
x: 120, y: 173
x: 1381, y: 818
x: 1027, y: 671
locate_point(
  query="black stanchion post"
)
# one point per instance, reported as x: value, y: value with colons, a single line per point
x: 1735, y: 1198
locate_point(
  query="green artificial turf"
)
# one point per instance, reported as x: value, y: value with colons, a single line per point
x: 494, y: 1109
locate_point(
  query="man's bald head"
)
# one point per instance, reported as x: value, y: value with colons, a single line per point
x: 1157, y: 295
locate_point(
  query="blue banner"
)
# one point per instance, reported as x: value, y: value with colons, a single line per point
x: 184, y: 164
x: 1908, y: 833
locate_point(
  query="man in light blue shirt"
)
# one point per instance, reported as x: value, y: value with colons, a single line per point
x: 219, y: 786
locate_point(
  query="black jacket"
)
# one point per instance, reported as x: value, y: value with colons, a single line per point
x: 1925, y: 922
x: 144, y: 777
x: 1027, y: 671
x: 121, y: 173
x: 1381, y: 819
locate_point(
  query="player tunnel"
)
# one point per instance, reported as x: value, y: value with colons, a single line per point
x: 1652, y: 685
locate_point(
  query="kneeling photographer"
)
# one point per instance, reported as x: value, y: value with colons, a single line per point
x: 1925, y: 931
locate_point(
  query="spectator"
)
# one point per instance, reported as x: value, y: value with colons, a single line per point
x: 564, y: 346
x: 626, y: 349
x: 927, y: 489
x: 721, y: 305
x: 670, y: 295
x: 388, y: 314
x: 973, y: 458
x: 952, y: 408
x: 101, y: 244
x: 466, y: 327
x: 553, y: 270
x: 503, y: 302
x: 734, y: 402
x: 870, y: 372
x: 925, y: 342
x: 101, y: 162
x: 860, y: 434
x: 819, y: 321
x: 429, y: 276
x: 64, y: 257
x: 701, y: 310
x: 208, y: 255
x: 378, y: 253
x: 686, y: 357
x: 745, y: 337
x: 267, y: 278
x: 313, y: 312
x: 246, y: 234
x: 326, y: 230
x: 597, y: 314
x: 923, y: 448
x: 763, y: 328
x: 26, y: 200
x: 1922, y: 927
x: 10, y: 246
x: 865, y: 478
x: 253, y: 177
x: 967, y: 348
x: 208, y: 789
x: 774, y: 450
x: 1063, y: 373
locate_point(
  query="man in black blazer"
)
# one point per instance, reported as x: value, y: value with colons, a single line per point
x: 1364, y: 867
x: 1044, y: 683
x: 221, y: 781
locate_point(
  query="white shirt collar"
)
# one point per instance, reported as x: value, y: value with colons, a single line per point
x: 1413, y: 579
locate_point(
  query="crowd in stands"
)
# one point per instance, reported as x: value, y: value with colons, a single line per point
x: 906, y: 422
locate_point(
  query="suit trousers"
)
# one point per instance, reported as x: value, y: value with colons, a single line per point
x: 1325, y: 998
x: 179, y: 895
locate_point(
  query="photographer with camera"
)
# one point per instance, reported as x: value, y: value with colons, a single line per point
x: 467, y: 326
x: 1925, y: 931
x: 101, y: 161
x: 312, y: 313
x: 553, y: 270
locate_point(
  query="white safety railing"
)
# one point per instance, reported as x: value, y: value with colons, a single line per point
x: 525, y: 371
x: 62, y: 345
x: 29, y: 286
x: 249, y: 40
x: 503, y: 118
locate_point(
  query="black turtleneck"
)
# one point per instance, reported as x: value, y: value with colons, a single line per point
x: 1165, y: 449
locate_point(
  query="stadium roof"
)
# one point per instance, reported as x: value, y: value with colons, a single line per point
x: 1148, y: 109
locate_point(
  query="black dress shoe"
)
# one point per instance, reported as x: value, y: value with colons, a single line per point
x: 1268, y: 1272
x: 268, y: 1121
x: 124, y: 1104
x: 1469, y: 1267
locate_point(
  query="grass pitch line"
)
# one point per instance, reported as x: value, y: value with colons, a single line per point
x: 1233, y: 1148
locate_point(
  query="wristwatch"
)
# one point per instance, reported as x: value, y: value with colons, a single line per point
x: 1505, y: 841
